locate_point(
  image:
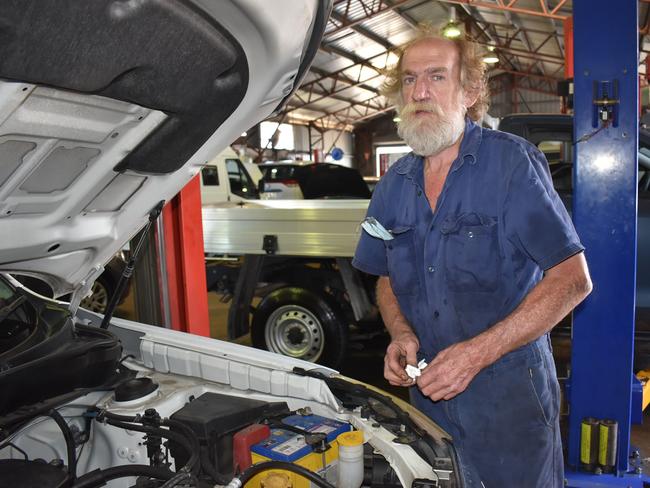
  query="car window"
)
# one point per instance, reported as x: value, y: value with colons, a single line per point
x: 555, y: 140
x: 279, y: 173
x: 241, y: 183
x: 324, y: 180
x: 559, y: 154
x: 210, y: 176
x: 560, y: 161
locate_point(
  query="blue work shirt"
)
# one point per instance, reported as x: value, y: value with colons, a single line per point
x: 498, y: 224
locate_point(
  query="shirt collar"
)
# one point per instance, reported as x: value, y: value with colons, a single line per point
x: 411, y: 165
x: 471, y: 142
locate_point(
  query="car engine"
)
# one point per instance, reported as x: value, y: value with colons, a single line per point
x: 138, y: 406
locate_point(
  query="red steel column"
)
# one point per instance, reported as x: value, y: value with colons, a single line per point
x: 183, y: 238
x: 568, y: 57
x: 568, y: 47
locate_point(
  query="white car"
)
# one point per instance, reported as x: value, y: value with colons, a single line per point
x: 280, y: 181
x: 226, y: 179
x: 107, y: 108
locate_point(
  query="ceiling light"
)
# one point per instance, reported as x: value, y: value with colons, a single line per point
x: 452, y: 29
x: 397, y: 119
x: 490, y: 58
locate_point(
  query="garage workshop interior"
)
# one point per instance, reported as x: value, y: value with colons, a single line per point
x: 324, y: 243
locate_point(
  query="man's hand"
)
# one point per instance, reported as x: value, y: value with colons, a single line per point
x: 404, y: 344
x: 401, y: 351
x: 450, y: 372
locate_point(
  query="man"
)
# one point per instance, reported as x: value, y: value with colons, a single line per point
x: 479, y: 262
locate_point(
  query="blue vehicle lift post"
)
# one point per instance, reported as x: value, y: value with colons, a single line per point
x: 605, y: 215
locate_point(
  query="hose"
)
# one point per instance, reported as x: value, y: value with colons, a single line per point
x: 248, y: 473
x: 69, y: 442
x: 180, y: 478
x: 191, y: 448
x: 100, y: 477
x: 188, y: 441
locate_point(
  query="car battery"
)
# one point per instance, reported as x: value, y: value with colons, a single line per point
x: 291, y: 447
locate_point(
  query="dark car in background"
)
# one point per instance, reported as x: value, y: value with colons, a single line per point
x: 553, y: 135
x: 304, y: 179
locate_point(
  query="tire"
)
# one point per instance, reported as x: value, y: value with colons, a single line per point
x: 100, y: 295
x: 299, y: 323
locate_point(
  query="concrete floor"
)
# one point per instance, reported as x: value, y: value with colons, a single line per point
x: 371, y: 354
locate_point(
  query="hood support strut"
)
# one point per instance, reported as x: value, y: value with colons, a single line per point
x: 128, y: 269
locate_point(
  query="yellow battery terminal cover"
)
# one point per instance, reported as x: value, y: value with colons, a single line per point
x: 352, y: 438
x: 276, y: 480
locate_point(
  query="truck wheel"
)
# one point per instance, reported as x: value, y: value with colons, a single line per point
x: 100, y: 296
x: 298, y: 323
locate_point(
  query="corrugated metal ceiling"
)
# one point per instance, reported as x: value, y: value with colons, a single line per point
x: 342, y: 86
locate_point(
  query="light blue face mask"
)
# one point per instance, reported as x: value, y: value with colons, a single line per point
x: 375, y: 229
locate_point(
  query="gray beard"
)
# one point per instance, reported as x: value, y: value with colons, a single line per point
x: 429, y: 136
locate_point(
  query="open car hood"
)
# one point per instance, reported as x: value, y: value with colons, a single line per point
x: 108, y: 107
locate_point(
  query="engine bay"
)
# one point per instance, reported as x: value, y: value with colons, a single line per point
x: 137, y: 406
x: 157, y: 431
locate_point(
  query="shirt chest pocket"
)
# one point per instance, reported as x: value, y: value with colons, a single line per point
x: 400, y: 254
x: 471, y: 252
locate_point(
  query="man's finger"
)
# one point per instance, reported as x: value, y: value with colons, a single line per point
x: 442, y: 395
x: 389, y: 370
x: 432, y: 384
x: 411, y: 355
x: 393, y: 363
x: 437, y: 391
x: 396, y: 377
x: 451, y: 395
x: 395, y: 380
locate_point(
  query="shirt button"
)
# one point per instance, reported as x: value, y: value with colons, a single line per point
x: 431, y: 269
x: 470, y: 234
x: 436, y: 314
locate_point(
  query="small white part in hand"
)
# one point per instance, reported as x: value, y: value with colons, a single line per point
x: 415, y: 371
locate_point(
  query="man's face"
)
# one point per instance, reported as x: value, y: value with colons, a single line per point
x: 431, y: 109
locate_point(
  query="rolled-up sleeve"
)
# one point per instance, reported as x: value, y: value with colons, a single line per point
x: 370, y: 255
x: 535, y: 219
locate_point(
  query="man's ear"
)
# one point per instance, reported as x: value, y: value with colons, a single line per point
x: 470, y: 96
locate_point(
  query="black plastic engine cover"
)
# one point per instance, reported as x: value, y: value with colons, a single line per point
x: 68, y: 357
x: 215, y: 419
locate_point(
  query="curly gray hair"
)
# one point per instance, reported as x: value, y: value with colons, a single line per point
x: 473, y: 76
